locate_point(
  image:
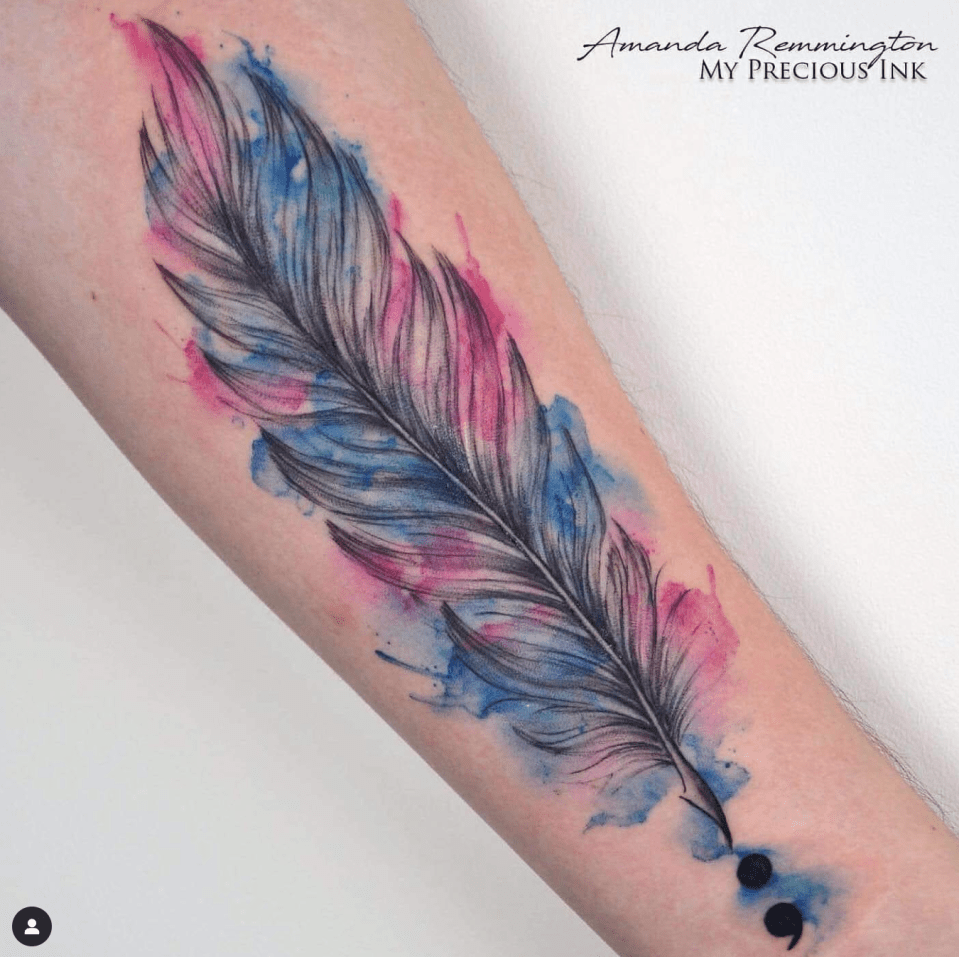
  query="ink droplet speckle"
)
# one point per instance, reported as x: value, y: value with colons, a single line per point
x: 784, y: 920
x: 754, y: 871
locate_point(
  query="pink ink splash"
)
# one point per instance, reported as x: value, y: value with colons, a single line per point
x: 399, y: 302
x: 160, y: 240
x: 142, y: 48
x: 475, y: 350
x: 484, y: 377
x: 439, y: 571
x: 480, y: 285
x: 184, y: 102
x: 636, y: 524
x: 394, y: 214
x: 694, y: 625
x: 195, y: 43
x: 277, y: 395
x: 211, y: 392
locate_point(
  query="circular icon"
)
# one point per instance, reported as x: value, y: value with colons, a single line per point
x: 32, y: 926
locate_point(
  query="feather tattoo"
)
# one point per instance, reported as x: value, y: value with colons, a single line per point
x: 387, y: 395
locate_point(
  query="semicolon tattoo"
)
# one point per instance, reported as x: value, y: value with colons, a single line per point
x: 389, y: 394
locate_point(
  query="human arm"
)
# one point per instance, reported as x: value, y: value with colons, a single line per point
x: 608, y: 407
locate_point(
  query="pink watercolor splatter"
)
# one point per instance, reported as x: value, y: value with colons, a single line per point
x: 484, y: 373
x: 161, y: 240
x: 694, y: 622
x: 195, y: 43
x: 497, y: 632
x: 476, y: 364
x: 636, y: 525
x: 140, y: 47
x: 394, y: 214
x: 441, y: 566
x: 211, y: 392
x: 282, y: 394
x: 399, y: 300
x: 502, y: 317
x: 479, y: 284
x: 180, y: 103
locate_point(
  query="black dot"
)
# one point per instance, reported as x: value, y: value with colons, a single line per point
x: 784, y: 920
x: 754, y: 871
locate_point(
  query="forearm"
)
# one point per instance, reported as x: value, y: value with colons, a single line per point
x: 130, y: 343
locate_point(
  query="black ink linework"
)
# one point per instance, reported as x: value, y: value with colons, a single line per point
x: 424, y: 437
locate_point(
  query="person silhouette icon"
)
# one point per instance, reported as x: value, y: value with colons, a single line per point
x: 32, y: 926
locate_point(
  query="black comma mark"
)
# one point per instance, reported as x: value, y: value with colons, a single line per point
x: 784, y: 920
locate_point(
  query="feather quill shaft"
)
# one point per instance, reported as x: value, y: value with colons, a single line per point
x: 416, y: 426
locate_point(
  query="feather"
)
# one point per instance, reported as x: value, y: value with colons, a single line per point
x: 417, y: 428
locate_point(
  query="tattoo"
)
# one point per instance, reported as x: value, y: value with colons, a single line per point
x: 389, y: 394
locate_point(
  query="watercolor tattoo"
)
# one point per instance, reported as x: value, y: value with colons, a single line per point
x: 389, y: 395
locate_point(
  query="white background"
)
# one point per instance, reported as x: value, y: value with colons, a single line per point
x: 772, y: 267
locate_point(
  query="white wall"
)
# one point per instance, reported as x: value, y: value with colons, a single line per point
x: 773, y: 268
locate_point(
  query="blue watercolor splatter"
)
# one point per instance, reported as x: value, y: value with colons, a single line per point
x: 247, y: 63
x: 630, y: 802
x: 563, y: 416
x: 816, y: 893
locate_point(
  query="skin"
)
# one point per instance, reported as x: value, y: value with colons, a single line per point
x: 835, y: 804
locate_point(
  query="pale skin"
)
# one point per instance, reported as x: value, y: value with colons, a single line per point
x: 835, y: 804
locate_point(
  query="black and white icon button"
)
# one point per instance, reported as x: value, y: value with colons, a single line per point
x: 32, y: 926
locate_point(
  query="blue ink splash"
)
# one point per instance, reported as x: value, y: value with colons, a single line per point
x: 726, y: 778
x: 563, y: 416
x: 816, y: 893
x: 248, y: 64
x: 631, y: 802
